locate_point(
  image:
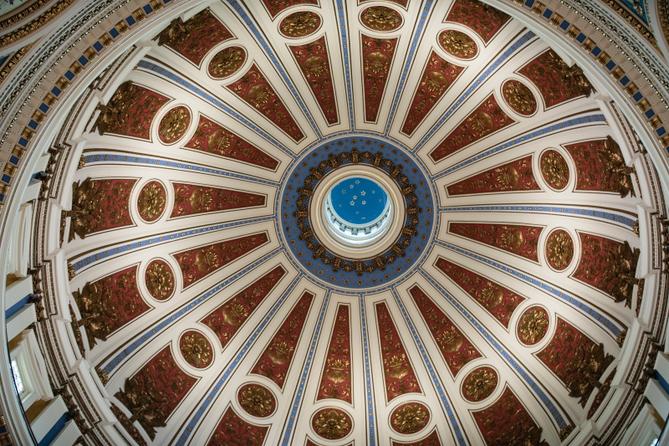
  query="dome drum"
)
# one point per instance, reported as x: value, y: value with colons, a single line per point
x: 211, y: 267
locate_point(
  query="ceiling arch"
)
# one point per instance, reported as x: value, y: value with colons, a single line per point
x: 190, y: 298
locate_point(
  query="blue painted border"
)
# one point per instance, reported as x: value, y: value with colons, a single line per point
x: 175, y: 78
x: 342, y: 23
x: 112, y: 365
x: 167, y: 237
x: 276, y: 62
x: 474, y: 85
x: 101, y: 157
x: 434, y: 377
x: 534, y: 385
x: 204, y: 405
x: 367, y: 369
x: 610, y: 326
x: 306, y: 369
x: 594, y: 213
x: 529, y: 136
x: 408, y: 62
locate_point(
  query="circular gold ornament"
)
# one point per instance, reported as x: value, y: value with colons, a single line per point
x: 257, y: 400
x: 532, y: 325
x: 458, y: 44
x: 174, y: 124
x: 227, y: 62
x: 151, y: 201
x: 196, y: 349
x: 479, y: 384
x: 559, y: 249
x: 410, y: 418
x: 381, y: 18
x: 331, y: 423
x: 519, y: 97
x: 159, y: 279
x: 554, y: 169
x: 300, y: 24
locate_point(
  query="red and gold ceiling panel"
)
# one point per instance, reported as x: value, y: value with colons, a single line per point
x: 207, y: 323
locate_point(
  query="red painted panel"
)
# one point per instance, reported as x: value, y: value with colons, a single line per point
x: 199, y: 262
x: 513, y: 176
x: 109, y: 303
x: 399, y: 375
x: 313, y: 60
x: 336, y: 378
x: 232, y: 430
x: 507, y: 422
x: 517, y: 239
x: 430, y: 440
x: 600, y: 166
x: 254, y: 89
x: 607, y: 265
x: 100, y: 205
x: 454, y: 346
x: 227, y: 319
x: 486, y: 119
x: 194, y: 38
x: 156, y: 390
x: 190, y: 199
x: 556, y: 81
x: 130, y: 111
x: 576, y: 359
x: 480, y: 17
x: 498, y: 300
x: 275, y: 361
x: 437, y: 77
x: 213, y: 138
x: 276, y: 6
x: 377, y: 58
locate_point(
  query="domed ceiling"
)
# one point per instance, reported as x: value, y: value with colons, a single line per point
x: 203, y: 288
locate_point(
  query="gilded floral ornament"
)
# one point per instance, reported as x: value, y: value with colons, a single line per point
x: 458, y: 44
x: 331, y: 423
x: 196, y: 349
x: 479, y: 384
x: 381, y: 18
x: 174, y: 124
x: 151, y: 201
x: 532, y: 325
x: 300, y: 24
x: 450, y: 340
x: 410, y: 418
x: 559, y: 249
x: 227, y: 62
x: 554, y: 169
x: 519, y: 97
x: 257, y: 400
x: 159, y: 279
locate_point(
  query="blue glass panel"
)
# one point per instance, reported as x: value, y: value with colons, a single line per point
x: 358, y: 200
